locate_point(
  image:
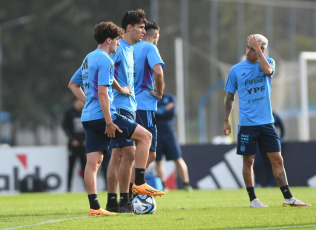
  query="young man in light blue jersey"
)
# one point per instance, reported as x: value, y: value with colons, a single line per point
x: 149, y: 83
x: 252, y: 78
x: 123, y: 152
x: 99, y: 117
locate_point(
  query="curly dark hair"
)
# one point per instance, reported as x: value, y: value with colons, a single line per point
x: 133, y: 17
x: 105, y: 30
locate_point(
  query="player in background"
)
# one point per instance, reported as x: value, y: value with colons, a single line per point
x: 167, y: 143
x: 76, y: 142
x: 252, y: 79
x: 149, y: 84
x: 123, y: 152
x: 99, y: 117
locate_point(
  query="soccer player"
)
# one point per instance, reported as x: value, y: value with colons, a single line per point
x: 149, y: 83
x: 167, y: 143
x: 99, y: 117
x: 252, y: 78
x: 123, y: 152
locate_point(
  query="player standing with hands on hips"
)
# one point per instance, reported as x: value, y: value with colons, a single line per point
x: 149, y: 83
x: 252, y: 78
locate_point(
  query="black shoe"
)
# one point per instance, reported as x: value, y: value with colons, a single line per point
x: 112, y: 208
x: 125, y: 208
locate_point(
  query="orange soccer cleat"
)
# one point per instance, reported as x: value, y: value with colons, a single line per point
x: 146, y: 189
x: 100, y: 212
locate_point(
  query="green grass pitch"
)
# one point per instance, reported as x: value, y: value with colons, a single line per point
x: 200, y: 209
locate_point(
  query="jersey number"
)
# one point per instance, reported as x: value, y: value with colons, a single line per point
x: 85, y: 64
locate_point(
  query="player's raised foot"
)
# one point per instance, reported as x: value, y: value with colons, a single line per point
x: 255, y: 203
x: 100, y: 212
x: 293, y: 202
x: 146, y: 189
x: 125, y: 208
x: 112, y: 208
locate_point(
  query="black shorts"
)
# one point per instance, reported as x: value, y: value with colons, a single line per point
x: 147, y: 119
x: 264, y: 138
x: 96, y: 140
x: 124, y: 142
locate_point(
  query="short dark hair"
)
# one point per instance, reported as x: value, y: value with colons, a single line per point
x: 105, y: 30
x: 151, y: 25
x: 133, y: 17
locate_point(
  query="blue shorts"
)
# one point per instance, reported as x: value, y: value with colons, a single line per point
x: 167, y: 144
x: 147, y: 119
x: 262, y: 137
x: 124, y: 142
x: 96, y: 140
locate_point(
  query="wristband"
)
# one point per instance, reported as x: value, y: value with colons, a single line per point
x: 110, y: 124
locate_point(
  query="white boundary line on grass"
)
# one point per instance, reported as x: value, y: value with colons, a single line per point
x: 46, y: 222
x: 280, y: 227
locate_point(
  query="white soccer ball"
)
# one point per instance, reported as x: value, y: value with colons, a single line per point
x: 143, y: 204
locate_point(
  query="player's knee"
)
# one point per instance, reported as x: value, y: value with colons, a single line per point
x: 248, y: 161
x: 146, y: 137
x: 277, y: 162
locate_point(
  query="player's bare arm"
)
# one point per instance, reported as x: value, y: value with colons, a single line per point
x: 229, y: 104
x: 77, y: 91
x: 256, y: 46
x: 122, y: 90
x: 105, y: 106
x: 159, y: 82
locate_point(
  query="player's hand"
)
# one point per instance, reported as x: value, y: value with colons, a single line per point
x: 254, y: 43
x: 155, y: 94
x: 169, y: 106
x: 111, y: 129
x: 227, y: 128
x: 126, y: 90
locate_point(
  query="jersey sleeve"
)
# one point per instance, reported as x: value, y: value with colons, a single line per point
x: 231, y: 83
x: 105, y: 68
x: 154, y: 57
x: 77, y: 77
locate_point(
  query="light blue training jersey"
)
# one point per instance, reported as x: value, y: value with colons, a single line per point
x: 124, y: 75
x: 254, y: 92
x: 96, y: 69
x: 146, y: 57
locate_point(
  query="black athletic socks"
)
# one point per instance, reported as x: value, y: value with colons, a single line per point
x: 123, y: 198
x: 251, y: 193
x: 139, y: 176
x: 93, y: 200
x: 286, y: 192
x: 112, y: 199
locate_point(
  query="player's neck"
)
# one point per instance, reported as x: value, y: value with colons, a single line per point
x: 127, y: 37
x: 104, y: 47
x: 148, y: 39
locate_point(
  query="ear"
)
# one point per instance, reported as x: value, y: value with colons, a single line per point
x: 129, y: 27
x: 108, y: 40
x: 155, y: 35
